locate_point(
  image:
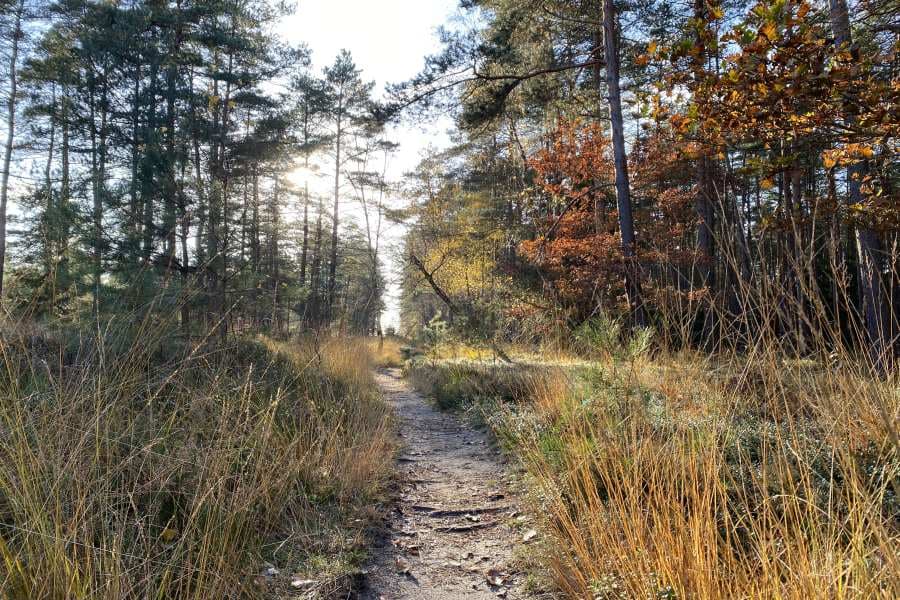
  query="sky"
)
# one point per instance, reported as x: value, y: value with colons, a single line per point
x: 389, y: 40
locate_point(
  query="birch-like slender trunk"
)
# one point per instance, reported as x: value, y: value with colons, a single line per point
x: 332, y: 265
x: 10, y: 132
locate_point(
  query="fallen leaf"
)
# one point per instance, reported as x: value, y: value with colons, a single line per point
x: 401, y: 565
x: 494, y: 577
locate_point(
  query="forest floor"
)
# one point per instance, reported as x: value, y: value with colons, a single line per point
x: 455, y: 529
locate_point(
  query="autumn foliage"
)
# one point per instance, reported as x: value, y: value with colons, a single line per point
x: 763, y: 177
x: 578, y: 246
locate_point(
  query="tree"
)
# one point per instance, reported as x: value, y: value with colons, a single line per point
x: 372, y: 154
x: 868, y: 243
x: 736, y: 122
x: 310, y: 109
x: 15, y: 36
x: 623, y: 186
x: 349, y: 98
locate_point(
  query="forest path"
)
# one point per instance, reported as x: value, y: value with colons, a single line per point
x: 454, y: 527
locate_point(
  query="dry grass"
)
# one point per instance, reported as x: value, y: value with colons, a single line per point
x: 386, y: 352
x: 134, y: 466
x: 458, y: 351
x: 694, y: 477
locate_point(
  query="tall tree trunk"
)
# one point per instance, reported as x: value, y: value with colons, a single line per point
x: 199, y: 249
x: 98, y: 160
x: 48, y: 184
x: 704, y: 201
x: 102, y: 154
x: 134, y: 208
x: 185, y: 220
x: 304, y: 248
x: 169, y: 201
x: 255, y: 244
x: 217, y: 240
x: 703, y: 205
x: 332, y: 265
x: 255, y: 247
x: 10, y: 132
x: 62, y: 271
x: 868, y: 242
x: 623, y: 191
x: 148, y: 169
x: 273, y: 255
x: 213, y: 244
x: 316, y: 274
x: 50, y: 216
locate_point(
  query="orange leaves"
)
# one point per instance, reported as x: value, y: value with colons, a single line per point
x: 651, y: 54
x: 861, y: 150
x: 786, y: 87
x: 680, y: 123
x: 768, y: 31
x: 578, y: 248
x: 846, y: 155
x: 578, y: 150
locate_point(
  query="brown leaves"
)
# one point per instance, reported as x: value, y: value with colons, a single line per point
x: 580, y: 250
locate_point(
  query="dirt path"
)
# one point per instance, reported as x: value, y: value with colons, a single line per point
x: 455, y: 527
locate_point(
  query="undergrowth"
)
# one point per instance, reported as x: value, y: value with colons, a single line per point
x: 135, y: 465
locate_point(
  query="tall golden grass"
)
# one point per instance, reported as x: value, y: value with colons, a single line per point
x: 385, y: 351
x: 135, y: 466
x: 691, y: 476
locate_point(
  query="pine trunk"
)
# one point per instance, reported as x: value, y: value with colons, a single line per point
x: 332, y: 265
x: 10, y: 132
x: 868, y: 242
x: 623, y: 191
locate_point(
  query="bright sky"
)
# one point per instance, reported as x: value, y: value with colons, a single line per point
x: 388, y: 40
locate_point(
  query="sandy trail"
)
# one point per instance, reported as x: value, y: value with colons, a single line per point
x: 454, y: 528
